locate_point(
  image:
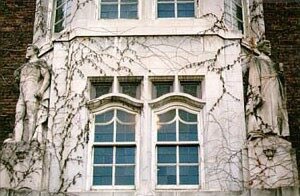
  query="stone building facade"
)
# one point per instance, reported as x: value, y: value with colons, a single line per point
x: 146, y: 98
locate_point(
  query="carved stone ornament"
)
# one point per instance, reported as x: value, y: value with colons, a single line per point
x: 32, y: 105
x: 265, y: 110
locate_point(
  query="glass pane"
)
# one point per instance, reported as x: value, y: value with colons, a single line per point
x: 166, y: 175
x: 102, y: 89
x: 167, y: 132
x: 125, y: 116
x: 59, y: 26
x: 102, y: 176
x: 124, y: 175
x: 162, y: 88
x: 185, y: 10
x: 109, y: 11
x: 103, y: 155
x: 104, y: 117
x: 167, y: 117
x: 187, y: 132
x: 188, y: 154
x: 239, y: 12
x: 129, y: 11
x: 188, y: 175
x: 109, y: 1
x: 104, y: 133
x: 166, y: 154
x: 125, y: 133
x: 125, y: 155
x: 128, y: 1
x: 191, y: 88
x: 188, y: 117
x: 166, y: 10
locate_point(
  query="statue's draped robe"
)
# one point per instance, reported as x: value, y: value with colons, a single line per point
x: 266, y: 101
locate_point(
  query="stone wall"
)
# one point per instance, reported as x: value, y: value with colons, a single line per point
x: 282, y: 20
x: 16, y: 31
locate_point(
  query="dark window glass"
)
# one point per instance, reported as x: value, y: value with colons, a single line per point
x: 192, y: 88
x: 162, y: 88
x: 166, y: 175
x: 104, y: 133
x: 188, y: 154
x: 125, y: 155
x: 109, y: 11
x: 102, y: 175
x: 166, y: 154
x: 188, y: 117
x: 167, y: 132
x: 125, y: 132
x: 189, y: 175
x: 188, y: 132
x: 185, y: 9
x: 129, y: 88
x: 166, y: 10
x: 104, y: 117
x: 102, y: 88
x: 103, y: 155
x: 113, y: 9
x: 124, y: 175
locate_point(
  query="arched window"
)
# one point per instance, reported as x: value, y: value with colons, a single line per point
x: 178, y: 148
x: 114, y: 148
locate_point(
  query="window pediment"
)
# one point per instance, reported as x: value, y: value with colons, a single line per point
x: 123, y: 99
x: 179, y: 98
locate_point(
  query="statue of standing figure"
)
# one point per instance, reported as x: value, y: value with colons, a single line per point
x: 265, y: 109
x: 32, y: 106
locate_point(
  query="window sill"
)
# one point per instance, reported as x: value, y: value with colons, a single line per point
x: 177, y: 187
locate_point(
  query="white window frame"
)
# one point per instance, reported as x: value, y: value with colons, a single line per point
x: 66, y: 19
x: 200, y: 126
x: 232, y: 16
x: 175, y: 9
x: 119, y: 10
x: 136, y: 143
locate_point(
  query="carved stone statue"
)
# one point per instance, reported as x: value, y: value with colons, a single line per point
x: 265, y: 110
x: 33, y: 100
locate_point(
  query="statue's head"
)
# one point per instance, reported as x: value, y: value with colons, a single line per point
x: 264, y: 46
x: 32, y: 50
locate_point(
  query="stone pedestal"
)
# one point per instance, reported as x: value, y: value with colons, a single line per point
x: 21, y: 165
x: 271, y: 163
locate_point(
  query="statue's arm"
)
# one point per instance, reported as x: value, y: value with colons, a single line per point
x: 46, y: 80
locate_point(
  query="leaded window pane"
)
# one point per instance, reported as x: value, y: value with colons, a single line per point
x: 166, y: 154
x: 167, y: 132
x: 166, y: 10
x: 162, y: 88
x: 104, y: 117
x: 166, y: 175
x: 188, y: 154
x: 124, y: 175
x: 167, y: 117
x: 104, y: 133
x: 103, y: 155
x: 185, y: 10
x: 188, y: 132
x: 188, y: 117
x: 188, y: 175
x: 129, y: 88
x: 125, y: 155
x: 109, y: 11
x: 129, y: 11
x: 102, y: 175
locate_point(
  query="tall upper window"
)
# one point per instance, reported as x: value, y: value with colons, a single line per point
x: 177, y: 147
x: 234, y: 14
x: 113, y: 9
x: 62, y: 14
x: 114, y: 148
x: 175, y: 8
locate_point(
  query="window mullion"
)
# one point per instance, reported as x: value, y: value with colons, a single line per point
x: 175, y: 9
x: 119, y: 9
x: 177, y: 165
x: 114, y: 166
